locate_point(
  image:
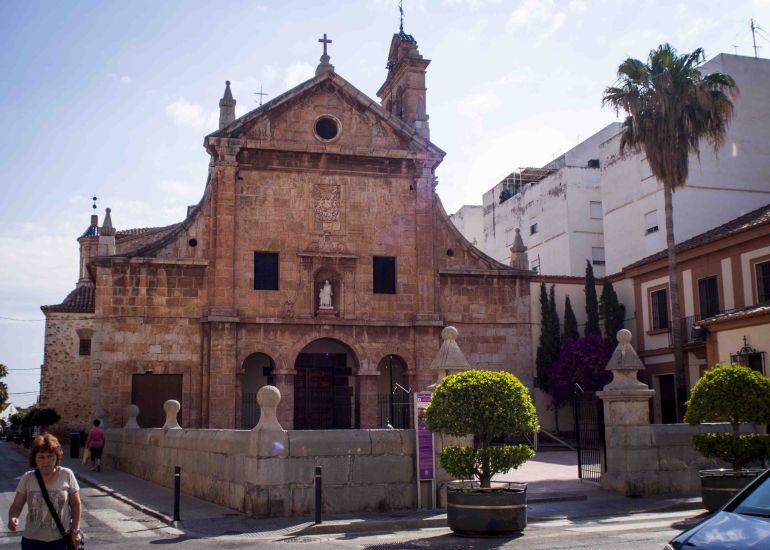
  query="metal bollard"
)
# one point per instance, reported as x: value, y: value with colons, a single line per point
x: 318, y: 495
x: 177, y: 490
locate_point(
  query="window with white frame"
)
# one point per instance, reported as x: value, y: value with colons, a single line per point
x: 650, y: 222
x: 596, y: 210
x: 597, y: 255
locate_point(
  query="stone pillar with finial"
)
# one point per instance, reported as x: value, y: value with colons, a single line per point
x: 626, y: 400
x: 107, y: 236
x: 450, y: 358
x: 268, y: 438
x: 519, y: 258
x: 226, y: 107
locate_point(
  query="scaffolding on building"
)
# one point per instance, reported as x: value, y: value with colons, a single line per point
x: 514, y: 182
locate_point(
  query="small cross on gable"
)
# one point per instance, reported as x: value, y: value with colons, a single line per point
x: 325, y: 41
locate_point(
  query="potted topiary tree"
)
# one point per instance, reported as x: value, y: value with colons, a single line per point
x: 486, y: 405
x: 731, y: 394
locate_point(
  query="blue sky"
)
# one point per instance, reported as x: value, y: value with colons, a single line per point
x: 114, y: 98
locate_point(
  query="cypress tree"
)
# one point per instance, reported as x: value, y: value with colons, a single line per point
x: 592, y: 304
x: 613, y: 313
x: 553, y: 318
x: 543, y: 359
x: 570, y: 322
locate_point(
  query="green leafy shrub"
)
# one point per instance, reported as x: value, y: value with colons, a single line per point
x: 738, y: 450
x: 484, y: 404
x: 42, y: 417
x: 731, y: 394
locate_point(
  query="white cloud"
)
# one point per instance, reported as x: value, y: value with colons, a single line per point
x: 125, y: 79
x: 269, y: 73
x: 191, y: 115
x: 296, y: 73
x: 543, y: 17
x: 181, y: 189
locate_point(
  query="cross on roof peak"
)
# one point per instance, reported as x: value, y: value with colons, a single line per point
x: 324, y: 66
x: 325, y: 41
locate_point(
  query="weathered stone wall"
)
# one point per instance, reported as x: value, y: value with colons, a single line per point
x: 363, y: 470
x: 658, y: 458
x: 66, y: 381
x: 149, y: 320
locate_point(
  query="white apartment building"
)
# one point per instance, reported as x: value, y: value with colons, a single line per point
x: 470, y: 222
x: 557, y: 208
x: 720, y: 187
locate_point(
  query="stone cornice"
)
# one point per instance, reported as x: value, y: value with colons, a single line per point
x: 109, y: 261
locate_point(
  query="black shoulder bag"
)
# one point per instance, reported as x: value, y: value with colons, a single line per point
x: 66, y: 537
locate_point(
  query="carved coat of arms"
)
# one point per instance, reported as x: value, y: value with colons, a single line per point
x: 327, y: 202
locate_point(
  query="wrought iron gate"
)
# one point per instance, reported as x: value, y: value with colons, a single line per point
x: 589, y: 433
x: 395, y: 409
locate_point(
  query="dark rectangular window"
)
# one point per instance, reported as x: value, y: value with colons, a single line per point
x: 266, y: 271
x: 85, y: 347
x: 533, y: 229
x: 708, y: 295
x: 763, y: 282
x: 384, y: 268
x: 659, y: 304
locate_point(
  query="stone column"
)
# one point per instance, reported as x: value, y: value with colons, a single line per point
x: 425, y: 228
x: 221, y: 271
x: 367, y: 399
x: 222, y: 369
x: 304, y: 294
x: 626, y: 419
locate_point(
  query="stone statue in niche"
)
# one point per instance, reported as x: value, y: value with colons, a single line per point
x: 325, y: 296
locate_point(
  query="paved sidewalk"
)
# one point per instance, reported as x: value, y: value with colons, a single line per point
x: 554, y: 492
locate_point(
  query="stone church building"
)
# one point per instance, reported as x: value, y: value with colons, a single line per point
x: 319, y: 260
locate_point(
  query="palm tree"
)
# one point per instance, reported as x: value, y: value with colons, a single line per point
x: 670, y: 108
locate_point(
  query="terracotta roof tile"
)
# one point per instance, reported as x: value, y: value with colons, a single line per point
x: 742, y: 313
x: 80, y: 300
x: 755, y: 218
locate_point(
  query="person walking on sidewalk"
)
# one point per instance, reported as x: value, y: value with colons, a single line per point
x: 95, y: 445
x: 52, y: 496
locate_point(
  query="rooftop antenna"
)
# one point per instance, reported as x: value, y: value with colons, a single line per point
x: 401, y: 11
x: 754, y: 36
x: 261, y: 94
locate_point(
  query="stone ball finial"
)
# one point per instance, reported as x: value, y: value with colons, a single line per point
x: 624, y: 336
x: 268, y: 397
x: 132, y: 412
x: 227, y: 82
x: 449, y: 333
x: 171, y: 408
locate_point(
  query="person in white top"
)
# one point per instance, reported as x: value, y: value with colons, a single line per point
x: 41, y: 530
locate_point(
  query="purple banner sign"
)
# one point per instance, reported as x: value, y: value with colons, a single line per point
x: 424, y: 438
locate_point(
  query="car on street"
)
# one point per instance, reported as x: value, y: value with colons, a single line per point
x: 744, y: 522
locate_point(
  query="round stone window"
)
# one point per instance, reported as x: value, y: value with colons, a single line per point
x: 327, y: 128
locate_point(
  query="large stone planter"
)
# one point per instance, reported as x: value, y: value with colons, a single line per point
x: 719, y: 486
x: 496, y: 511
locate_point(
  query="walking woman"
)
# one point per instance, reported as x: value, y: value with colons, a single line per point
x: 52, y: 496
x: 95, y: 444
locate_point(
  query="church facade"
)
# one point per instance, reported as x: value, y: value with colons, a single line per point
x: 319, y: 260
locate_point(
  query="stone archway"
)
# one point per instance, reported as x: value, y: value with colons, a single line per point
x: 324, y: 396
x: 257, y: 371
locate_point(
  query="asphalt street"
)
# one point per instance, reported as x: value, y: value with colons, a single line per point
x: 109, y: 523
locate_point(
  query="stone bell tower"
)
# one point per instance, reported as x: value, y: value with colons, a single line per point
x: 403, y: 93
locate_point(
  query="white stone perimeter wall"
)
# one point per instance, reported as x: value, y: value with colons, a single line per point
x: 363, y: 470
x: 659, y: 459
